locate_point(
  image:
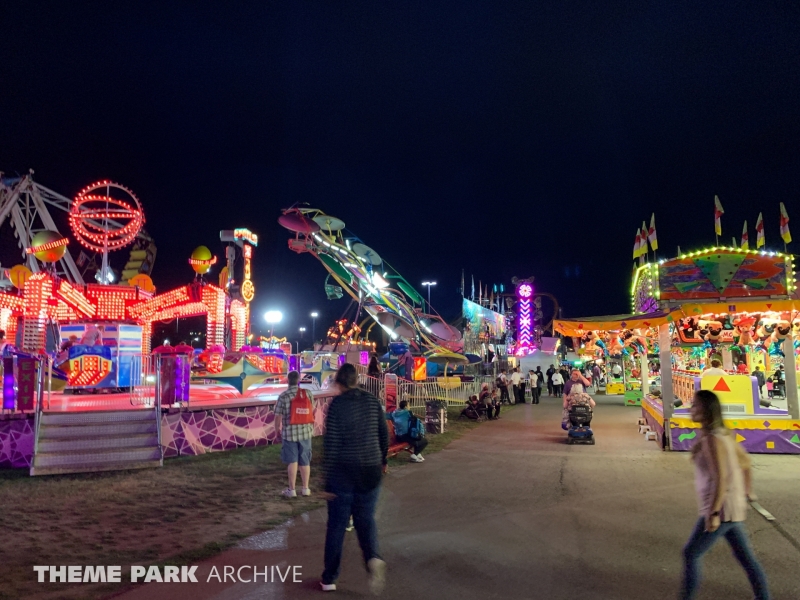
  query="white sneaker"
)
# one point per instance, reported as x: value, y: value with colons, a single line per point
x: 350, y: 525
x: 287, y: 493
x: 306, y: 492
x: 327, y: 587
x: 420, y: 457
x: 377, y: 575
x: 415, y: 458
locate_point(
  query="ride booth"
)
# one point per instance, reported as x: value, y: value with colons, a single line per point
x: 624, y: 345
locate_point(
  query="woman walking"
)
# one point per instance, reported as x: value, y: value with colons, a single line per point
x: 723, y: 484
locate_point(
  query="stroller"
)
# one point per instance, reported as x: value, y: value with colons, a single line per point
x: 579, y: 417
x: 474, y: 410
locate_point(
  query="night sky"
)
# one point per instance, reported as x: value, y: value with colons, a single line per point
x: 504, y: 138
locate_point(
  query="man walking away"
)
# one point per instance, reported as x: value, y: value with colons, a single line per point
x: 533, y: 378
x: 294, y: 422
x: 596, y: 376
x: 502, y: 383
x: 539, y: 383
x: 356, y: 443
x: 516, y: 383
x: 558, y: 383
x: 549, y: 374
x: 759, y: 375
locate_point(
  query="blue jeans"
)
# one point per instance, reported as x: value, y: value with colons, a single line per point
x: 361, y: 505
x: 701, y: 541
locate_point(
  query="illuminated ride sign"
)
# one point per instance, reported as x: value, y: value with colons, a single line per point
x: 524, y: 318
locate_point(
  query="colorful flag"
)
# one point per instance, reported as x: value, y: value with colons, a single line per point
x: 759, y: 232
x: 637, y: 244
x: 651, y: 235
x: 745, y: 245
x: 718, y: 212
x: 644, y: 239
x: 472, y: 296
x: 785, y: 233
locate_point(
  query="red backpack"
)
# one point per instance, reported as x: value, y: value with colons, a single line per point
x: 301, y: 410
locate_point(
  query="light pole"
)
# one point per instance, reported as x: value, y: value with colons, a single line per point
x: 314, y: 316
x: 429, y: 284
x: 272, y: 317
x: 302, y: 331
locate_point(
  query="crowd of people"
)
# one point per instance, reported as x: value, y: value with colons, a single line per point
x: 356, y: 444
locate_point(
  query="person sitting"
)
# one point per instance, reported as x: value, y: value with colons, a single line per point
x: 402, y: 422
x: 489, y: 401
x: 473, y: 409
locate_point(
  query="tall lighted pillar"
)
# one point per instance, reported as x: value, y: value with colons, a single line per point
x: 524, y: 317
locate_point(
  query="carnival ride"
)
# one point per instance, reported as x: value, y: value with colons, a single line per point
x: 99, y: 333
x: 374, y: 286
x: 738, y: 306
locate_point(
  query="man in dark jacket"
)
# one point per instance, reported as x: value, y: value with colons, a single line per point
x: 760, y: 379
x: 356, y: 444
x: 549, y: 373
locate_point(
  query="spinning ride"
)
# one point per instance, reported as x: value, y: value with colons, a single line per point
x: 385, y: 295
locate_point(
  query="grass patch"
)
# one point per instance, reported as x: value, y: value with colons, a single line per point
x: 188, y: 511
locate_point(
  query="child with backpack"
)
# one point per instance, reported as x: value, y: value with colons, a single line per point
x: 409, y: 428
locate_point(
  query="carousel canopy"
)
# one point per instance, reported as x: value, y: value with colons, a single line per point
x: 579, y: 326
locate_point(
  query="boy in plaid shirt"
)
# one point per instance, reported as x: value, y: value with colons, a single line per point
x: 294, y: 422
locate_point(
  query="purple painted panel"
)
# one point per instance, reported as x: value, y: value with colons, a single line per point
x: 197, y: 432
x: 16, y: 442
x: 755, y: 440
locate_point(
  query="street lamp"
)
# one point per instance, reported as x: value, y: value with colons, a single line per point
x: 302, y: 332
x: 272, y: 317
x: 314, y: 316
x: 428, y: 285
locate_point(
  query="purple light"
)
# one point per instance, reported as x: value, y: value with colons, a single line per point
x: 364, y: 357
x: 293, y: 362
x: 524, y: 318
x: 9, y: 395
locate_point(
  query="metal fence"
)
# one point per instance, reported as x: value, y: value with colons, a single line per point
x: 144, y: 380
x: 450, y: 389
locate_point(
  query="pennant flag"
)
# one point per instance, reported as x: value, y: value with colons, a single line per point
x: 637, y: 244
x: 462, y: 283
x: 472, y: 297
x: 733, y: 241
x: 718, y: 212
x: 644, y: 239
x: 759, y: 232
x: 785, y: 233
x: 745, y: 245
x: 651, y: 235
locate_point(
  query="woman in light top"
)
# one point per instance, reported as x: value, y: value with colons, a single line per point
x: 723, y: 483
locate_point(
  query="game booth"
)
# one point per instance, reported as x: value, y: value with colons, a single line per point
x: 736, y: 306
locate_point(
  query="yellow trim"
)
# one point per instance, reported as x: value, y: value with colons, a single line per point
x: 765, y: 305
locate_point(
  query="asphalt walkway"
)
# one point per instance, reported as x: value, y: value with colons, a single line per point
x: 511, y: 511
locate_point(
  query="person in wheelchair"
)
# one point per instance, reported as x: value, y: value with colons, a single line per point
x: 575, y: 390
x: 574, y: 396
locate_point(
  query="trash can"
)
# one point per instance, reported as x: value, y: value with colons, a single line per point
x: 435, y: 416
